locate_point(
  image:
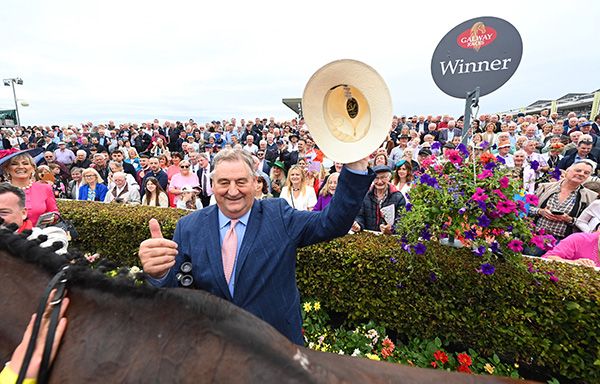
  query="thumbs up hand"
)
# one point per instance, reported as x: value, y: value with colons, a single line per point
x: 157, y: 254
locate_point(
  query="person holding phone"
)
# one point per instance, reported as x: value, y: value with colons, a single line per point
x: 562, y: 202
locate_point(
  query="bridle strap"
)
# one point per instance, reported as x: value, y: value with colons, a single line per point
x: 58, y: 282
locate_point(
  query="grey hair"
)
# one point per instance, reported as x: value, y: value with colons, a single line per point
x: 234, y: 155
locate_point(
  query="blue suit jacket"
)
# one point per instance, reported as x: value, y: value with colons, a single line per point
x: 265, y: 275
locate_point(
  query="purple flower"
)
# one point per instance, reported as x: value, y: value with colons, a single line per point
x: 483, y: 221
x: 490, y: 166
x: 534, y: 165
x: 406, y: 247
x: 487, y: 269
x: 484, y: 145
x: 494, y: 247
x: 425, y: 235
x: 420, y: 249
x: 470, y: 234
x: 554, y: 279
x: 399, y: 285
x: 504, y: 181
x: 393, y: 260
x: 432, y: 276
x: 482, y: 205
x: 509, y: 228
x: 409, y: 207
x: 436, y: 145
x: 480, y: 251
x: 500, y: 160
x: 462, y: 211
x: 556, y: 173
x: 429, y: 180
x: 531, y: 269
x: 463, y: 149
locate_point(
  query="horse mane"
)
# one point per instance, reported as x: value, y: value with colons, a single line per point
x: 81, y: 275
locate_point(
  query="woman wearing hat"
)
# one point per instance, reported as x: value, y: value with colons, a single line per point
x: 277, y: 176
x: 181, y: 179
x: 19, y: 169
x: 298, y: 195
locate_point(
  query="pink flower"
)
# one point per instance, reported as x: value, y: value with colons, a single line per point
x: 485, y: 174
x: 428, y: 161
x: 499, y: 193
x: 532, y: 199
x: 479, y: 195
x: 504, y: 181
x: 545, y: 242
x: 454, y: 156
x: 515, y: 245
x: 506, y: 206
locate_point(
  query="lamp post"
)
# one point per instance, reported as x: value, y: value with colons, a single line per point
x: 11, y: 83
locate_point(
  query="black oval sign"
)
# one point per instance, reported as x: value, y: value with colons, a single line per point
x: 483, y: 52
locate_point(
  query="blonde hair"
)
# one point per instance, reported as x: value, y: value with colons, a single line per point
x: 288, y: 182
x: 325, y: 190
x: 92, y: 171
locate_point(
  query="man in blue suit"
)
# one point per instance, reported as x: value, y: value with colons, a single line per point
x: 263, y: 277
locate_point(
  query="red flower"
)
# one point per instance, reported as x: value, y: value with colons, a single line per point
x: 434, y: 364
x: 486, y: 157
x: 464, y: 359
x: 463, y: 369
x: 440, y: 356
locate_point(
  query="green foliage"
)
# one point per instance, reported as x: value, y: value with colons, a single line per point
x: 115, y: 230
x: 517, y: 313
x: 370, y: 341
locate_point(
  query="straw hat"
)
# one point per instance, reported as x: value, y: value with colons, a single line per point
x: 348, y: 109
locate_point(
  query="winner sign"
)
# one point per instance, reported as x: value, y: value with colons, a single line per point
x: 483, y: 52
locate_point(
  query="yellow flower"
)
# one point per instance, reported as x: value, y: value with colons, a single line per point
x: 489, y: 368
x: 316, y: 305
x: 307, y: 307
x: 372, y: 356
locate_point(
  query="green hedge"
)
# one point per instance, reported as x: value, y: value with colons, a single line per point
x: 116, y: 230
x: 516, y: 313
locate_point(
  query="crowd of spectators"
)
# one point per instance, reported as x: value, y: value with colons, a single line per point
x: 169, y: 164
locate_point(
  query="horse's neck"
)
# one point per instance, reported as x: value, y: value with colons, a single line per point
x: 22, y: 288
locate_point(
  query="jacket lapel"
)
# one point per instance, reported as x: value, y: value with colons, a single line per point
x: 251, y: 234
x: 214, y: 249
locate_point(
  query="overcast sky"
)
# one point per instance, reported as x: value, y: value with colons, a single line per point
x: 136, y: 60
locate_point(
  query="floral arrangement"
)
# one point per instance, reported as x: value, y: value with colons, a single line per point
x: 370, y: 341
x: 474, y: 201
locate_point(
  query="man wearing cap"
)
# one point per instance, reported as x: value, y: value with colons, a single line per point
x: 382, y: 200
x: 64, y: 155
x: 504, y: 155
x: 397, y: 153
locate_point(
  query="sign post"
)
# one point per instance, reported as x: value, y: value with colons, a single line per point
x: 476, y: 58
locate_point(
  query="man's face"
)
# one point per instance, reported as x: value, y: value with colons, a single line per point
x: 583, y: 149
x: 586, y: 129
x: 49, y: 157
x: 100, y: 160
x: 202, y: 162
x: 144, y: 162
x: 119, y: 181
x: 530, y: 146
x: 578, y: 173
x: 301, y: 144
x: 10, y: 210
x: 234, y: 187
x: 381, y: 181
x: 503, y: 151
x: 117, y: 156
x: 154, y: 165
x: 81, y: 155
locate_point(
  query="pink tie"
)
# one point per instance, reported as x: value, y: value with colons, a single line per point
x: 229, y: 249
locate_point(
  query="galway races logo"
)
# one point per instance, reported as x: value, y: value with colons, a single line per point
x: 478, y: 36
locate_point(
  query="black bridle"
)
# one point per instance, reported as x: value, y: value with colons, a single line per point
x: 58, y: 282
